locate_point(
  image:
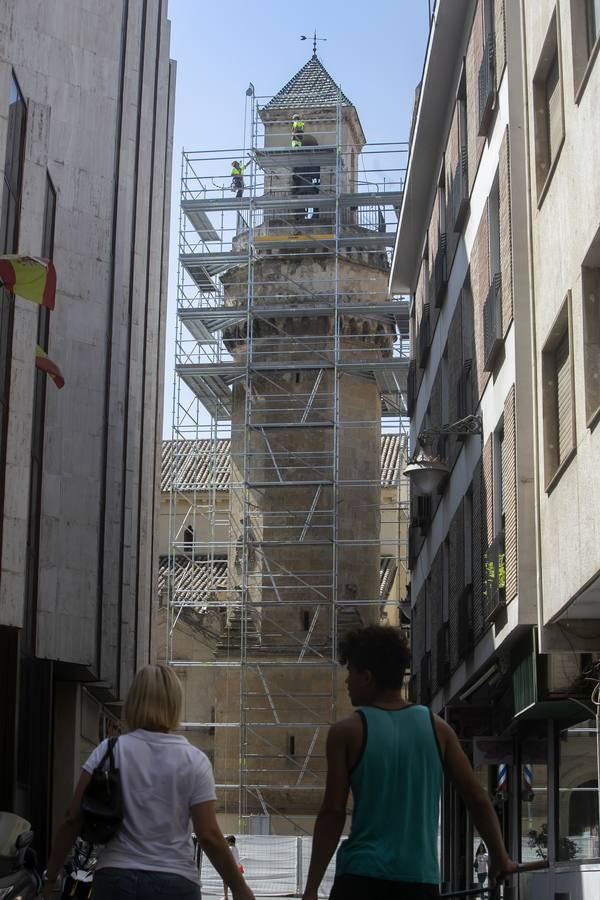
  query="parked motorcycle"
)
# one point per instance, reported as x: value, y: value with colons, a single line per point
x: 79, y: 876
x: 19, y: 877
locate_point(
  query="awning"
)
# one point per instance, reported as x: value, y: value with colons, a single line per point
x: 567, y: 710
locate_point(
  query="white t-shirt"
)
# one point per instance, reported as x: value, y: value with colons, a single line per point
x: 482, y: 863
x: 162, y: 776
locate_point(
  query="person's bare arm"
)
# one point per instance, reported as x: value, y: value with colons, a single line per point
x: 210, y: 837
x: 65, y: 834
x: 476, y: 799
x: 332, y: 815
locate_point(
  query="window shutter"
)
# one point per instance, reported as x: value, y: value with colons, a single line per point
x: 564, y: 398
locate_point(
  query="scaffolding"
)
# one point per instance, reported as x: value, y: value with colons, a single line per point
x: 288, y: 513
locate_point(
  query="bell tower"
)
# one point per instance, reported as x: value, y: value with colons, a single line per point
x: 312, y: 359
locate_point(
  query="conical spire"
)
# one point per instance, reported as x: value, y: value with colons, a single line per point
x: 311, y: 86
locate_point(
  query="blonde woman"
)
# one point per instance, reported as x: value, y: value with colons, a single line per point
x: 165, y: 783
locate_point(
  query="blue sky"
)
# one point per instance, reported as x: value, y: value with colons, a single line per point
x: 373, y: 50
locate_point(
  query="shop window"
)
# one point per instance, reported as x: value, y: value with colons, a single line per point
x: 578, y: 792
x: 533, y: 799
x: 558, y: 396
x: 548, y: 109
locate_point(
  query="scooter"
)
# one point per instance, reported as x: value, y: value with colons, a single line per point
x: 80, y: 871
x: 19, y: 877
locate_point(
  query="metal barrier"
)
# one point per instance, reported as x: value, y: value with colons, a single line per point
x: 493, y: 893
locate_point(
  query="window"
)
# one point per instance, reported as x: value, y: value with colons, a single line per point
x: 590, y: 282
x: 188, y: 539
x: 305, y: 620
x: 13, y: 170
x: 585, y: 29
x: 494, y: 228
x: 558, y: 400
x: 592, y: 23
x: 548, y: 109
x: 578, y: 792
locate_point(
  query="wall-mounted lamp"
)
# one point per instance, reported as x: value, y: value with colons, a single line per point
x: 428, y: 470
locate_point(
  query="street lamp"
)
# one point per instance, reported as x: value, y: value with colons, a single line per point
x: 427, y: 470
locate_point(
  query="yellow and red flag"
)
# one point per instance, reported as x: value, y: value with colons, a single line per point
x: 46, y: 365
x: 30, y: 277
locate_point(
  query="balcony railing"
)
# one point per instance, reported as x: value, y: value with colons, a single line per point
x: 424, y: 337
x: 411, y: 387
x: 443, y: 655
x: 494, y: 576
x: 465, y: 622
x: 439, y: 280
x: 487, y: 85
x: 459, y: 191
x: 492, y: 323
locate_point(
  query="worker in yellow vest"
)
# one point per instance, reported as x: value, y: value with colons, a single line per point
x: 237, y: 177
x: 297, y: 131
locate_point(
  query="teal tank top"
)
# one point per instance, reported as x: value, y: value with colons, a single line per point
x: 396, y: 787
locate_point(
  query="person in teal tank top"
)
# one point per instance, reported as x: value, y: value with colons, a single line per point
x: 392, y: 755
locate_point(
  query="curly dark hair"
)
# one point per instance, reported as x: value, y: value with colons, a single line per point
x: 381, y: 649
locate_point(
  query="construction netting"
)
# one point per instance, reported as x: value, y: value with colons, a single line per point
x: 273, y: 867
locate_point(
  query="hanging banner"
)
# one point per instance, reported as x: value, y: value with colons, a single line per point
x: 31, y: 277
x: 46, y: 365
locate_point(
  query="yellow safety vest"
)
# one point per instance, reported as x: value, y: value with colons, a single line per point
x: 236, y: 171
x: 298, y: 126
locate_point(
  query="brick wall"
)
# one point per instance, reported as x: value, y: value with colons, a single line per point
x: 509, y: 473
x: 505, y: 233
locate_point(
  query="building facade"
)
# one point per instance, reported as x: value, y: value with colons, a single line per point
x: 496, y: 245
x: 86, y: 120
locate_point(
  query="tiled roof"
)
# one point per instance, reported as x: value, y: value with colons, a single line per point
x: 311, y: 86
x: 196, y: 579
x: 200, y: 463
x: 197, y: 463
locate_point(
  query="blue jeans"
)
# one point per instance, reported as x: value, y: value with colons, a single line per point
x: 136, y: 884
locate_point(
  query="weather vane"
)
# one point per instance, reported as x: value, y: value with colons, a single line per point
x: 304, y: 37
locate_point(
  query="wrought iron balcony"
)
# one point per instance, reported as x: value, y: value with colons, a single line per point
x: 487, y: 85
x: 492, y: 323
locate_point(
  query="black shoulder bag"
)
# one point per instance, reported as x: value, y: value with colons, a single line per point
x: 102, y: 802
